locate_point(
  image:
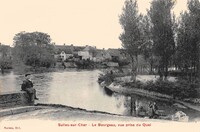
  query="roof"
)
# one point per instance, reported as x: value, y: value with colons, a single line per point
x: 68, y: 51
x: 66, y: 48
x: 89, y: 48
x: 100, y: 52
x: 78, y: 48
x: 61, y: 46
x: 114, y: 52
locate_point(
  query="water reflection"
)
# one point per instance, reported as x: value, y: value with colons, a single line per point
x: 141, y: 103
x: 71, y: 87
x: 80, y: 89
x: 9, y: 82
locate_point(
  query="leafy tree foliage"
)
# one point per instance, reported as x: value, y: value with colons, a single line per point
x: 162, y: 33
x: 147, y: 46
x: 33, y: 49
x: 5, y: 58
x: 131, y: 37
x: 189, y: 40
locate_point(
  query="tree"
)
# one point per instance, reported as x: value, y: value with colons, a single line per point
x: 131, y: 38
x: 162, y: 33
x: 194, y: 9
x: 147, y: 46
x: 188, y: 53
x: 33, y: 49
x: 5, y: 58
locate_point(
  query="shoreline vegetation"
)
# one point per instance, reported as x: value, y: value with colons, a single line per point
x: 119, y: 81
x: 178, y: 90
x: 21, y: 68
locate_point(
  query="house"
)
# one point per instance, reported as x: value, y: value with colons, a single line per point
x: 102, y: 55
x: 84, y: 55
x: 63, y: 55
x: 63, y: 51
x: 87, y: 53
x: 66, y: 54
x: 76, y: 51
x: 115, y: 54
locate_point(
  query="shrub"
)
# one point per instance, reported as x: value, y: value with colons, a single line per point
x: 85, y: 64
x: 180, y: 89
x: 107, y: 78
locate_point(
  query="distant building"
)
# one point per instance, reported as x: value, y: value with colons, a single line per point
x: 63, y: 55
x: 115, y: 54
x: 76, y: 50
x: 102, y: 55
x: 87, y: 53
x: 63, y: 51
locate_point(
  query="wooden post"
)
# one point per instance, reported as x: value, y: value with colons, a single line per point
x: 132, y: 111
x: 131, y: 106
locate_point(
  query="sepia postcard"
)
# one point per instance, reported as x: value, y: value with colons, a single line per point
x: 100, y: 65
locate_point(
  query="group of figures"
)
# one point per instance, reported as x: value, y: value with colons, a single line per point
x: 151, y: 111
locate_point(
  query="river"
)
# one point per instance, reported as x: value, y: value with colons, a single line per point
x: 79, y: 89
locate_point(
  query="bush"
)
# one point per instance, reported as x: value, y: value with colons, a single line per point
x: 123, y: 63
x: 180, y: 89
x: 107, y: 78
x: 85, y: 64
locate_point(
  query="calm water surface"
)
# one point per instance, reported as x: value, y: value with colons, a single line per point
x: 76, y: 88
x: 79, y: 88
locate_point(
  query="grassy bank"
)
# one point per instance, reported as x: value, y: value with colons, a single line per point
x: 180, y: 89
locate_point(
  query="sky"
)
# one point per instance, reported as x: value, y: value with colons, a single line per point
x: 77, y: 22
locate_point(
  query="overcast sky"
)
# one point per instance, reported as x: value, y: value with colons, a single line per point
x: 78, y: 22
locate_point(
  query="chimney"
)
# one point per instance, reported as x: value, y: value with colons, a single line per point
x: 72, y: 47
